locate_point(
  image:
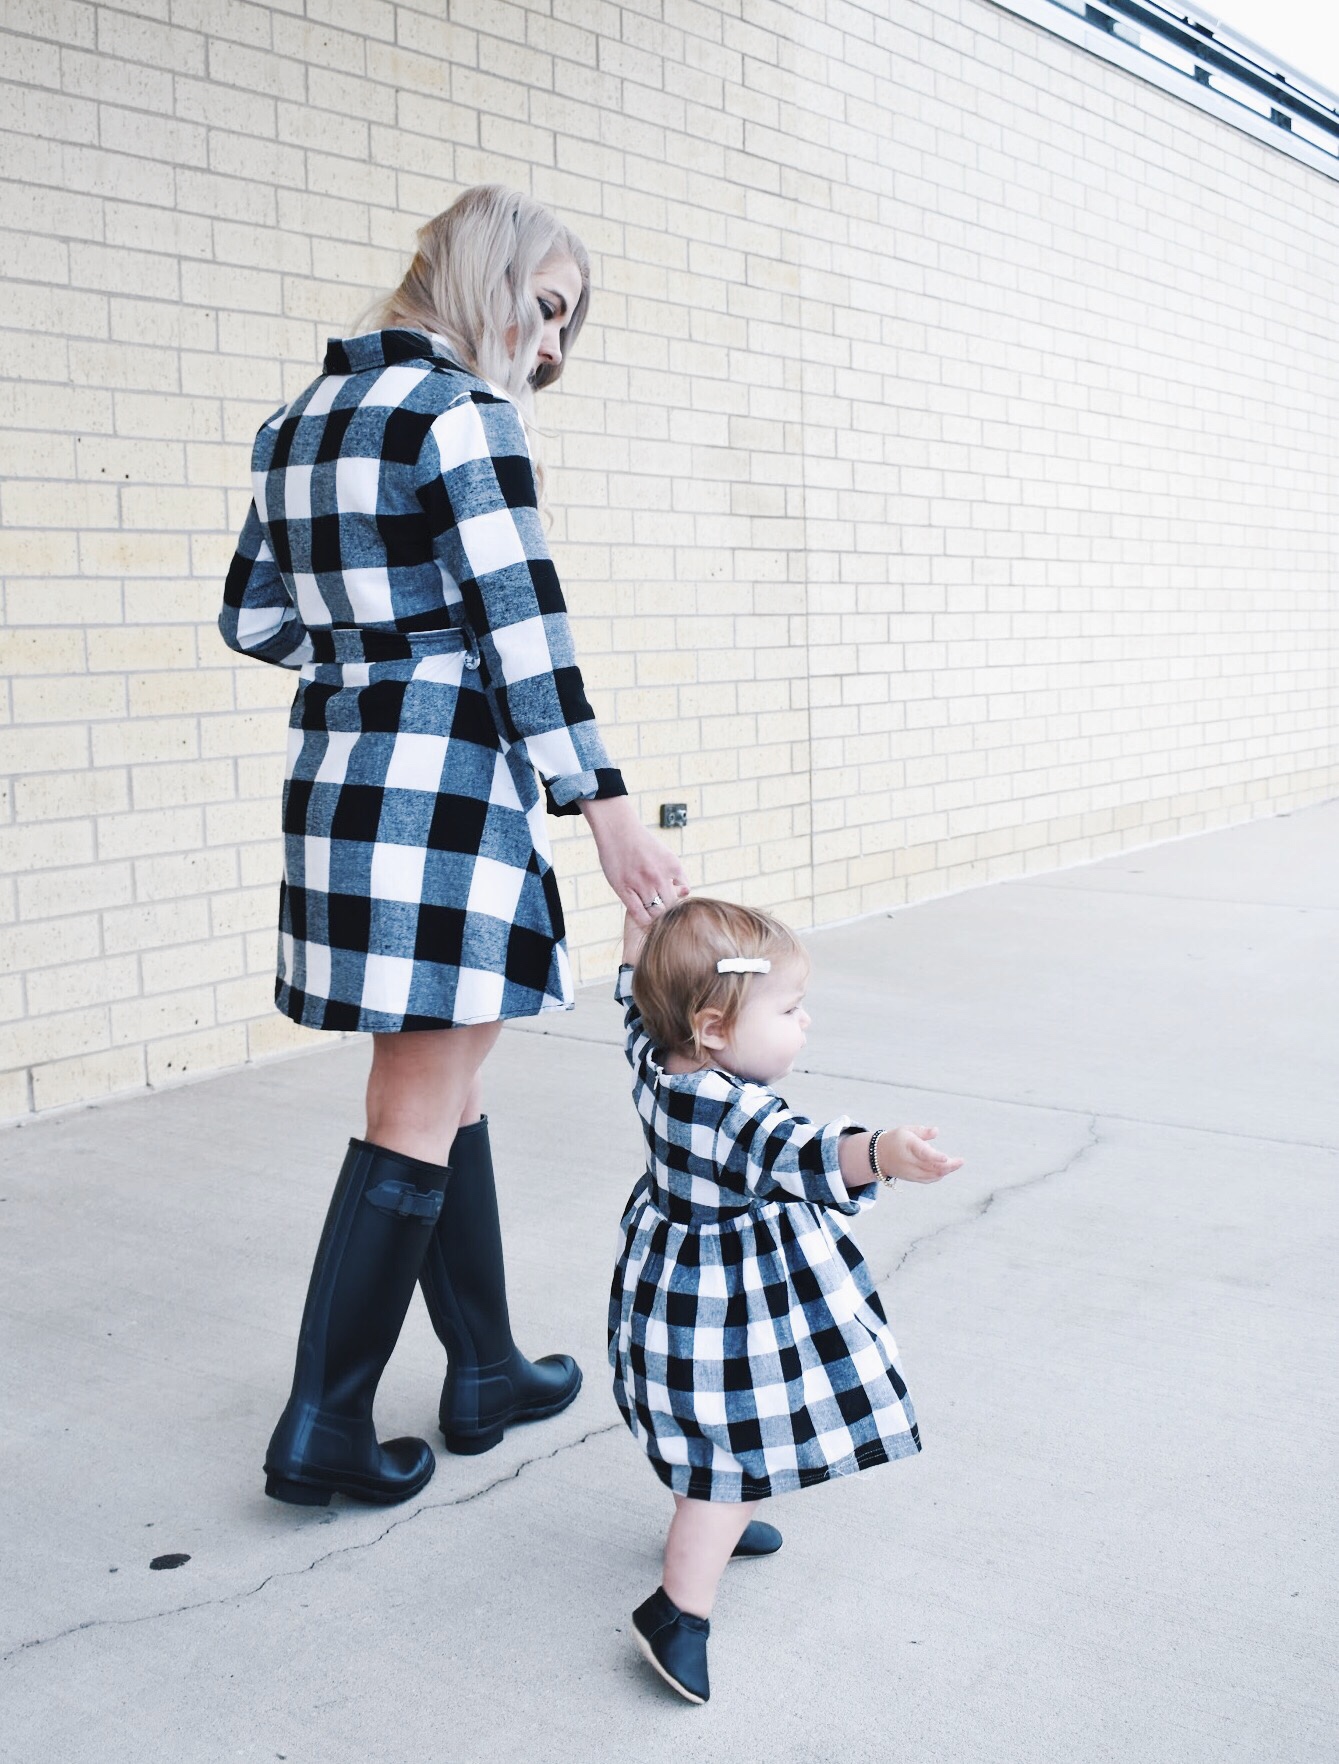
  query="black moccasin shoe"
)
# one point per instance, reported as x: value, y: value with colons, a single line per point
x: 759, y: 1539
x: 675, y: 1643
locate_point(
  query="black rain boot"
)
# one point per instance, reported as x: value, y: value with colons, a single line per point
x: 490, y: 1385
x: 381, y: 1217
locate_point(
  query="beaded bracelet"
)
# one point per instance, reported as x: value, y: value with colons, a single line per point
x: 874, y: 1139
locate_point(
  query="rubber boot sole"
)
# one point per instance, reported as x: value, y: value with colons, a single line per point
x: 301, y: 1493
x: 472, y: 1445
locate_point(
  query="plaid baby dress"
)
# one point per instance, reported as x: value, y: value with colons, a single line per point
x: 750, y: 1351
x: 394, y: 556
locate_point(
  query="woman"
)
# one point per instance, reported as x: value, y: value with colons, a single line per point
x: 394, y: 554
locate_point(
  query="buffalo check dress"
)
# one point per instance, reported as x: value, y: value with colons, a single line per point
x: 394, y: 556
x: 750, y: 1351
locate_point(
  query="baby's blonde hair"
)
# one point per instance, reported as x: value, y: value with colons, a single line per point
x: 675, y: 981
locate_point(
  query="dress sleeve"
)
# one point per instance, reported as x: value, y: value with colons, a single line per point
x: 788, y: 1157
x: 636, y: 1042
x: 258, y: 616
x: 477, y: 486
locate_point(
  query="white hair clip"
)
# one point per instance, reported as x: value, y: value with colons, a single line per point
x: 743, y: 965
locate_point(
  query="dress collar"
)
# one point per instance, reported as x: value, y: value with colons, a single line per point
x: 378, y: 349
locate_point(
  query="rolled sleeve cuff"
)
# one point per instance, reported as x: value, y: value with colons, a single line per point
x: 565, y: 795
x: 844, y: 1199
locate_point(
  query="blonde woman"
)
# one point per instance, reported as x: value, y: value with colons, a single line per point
x: 394, y: 555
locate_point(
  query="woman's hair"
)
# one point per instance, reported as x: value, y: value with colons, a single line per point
x: 469, y: 283
x: 675, y: 979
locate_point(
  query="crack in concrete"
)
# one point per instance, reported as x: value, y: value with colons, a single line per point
x: 979, y: 1211
x: 982, y: 1207
x: 463, y: 1500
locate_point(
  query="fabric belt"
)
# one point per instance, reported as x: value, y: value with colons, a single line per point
x: 358, y: 643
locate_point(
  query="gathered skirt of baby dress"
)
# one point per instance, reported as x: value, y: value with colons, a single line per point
x: 753, y: 1357
x: 418, y: 890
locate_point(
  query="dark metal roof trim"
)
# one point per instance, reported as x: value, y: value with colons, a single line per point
x: 1198, y: 58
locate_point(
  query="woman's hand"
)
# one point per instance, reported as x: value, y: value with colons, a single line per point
x: 644, y: 873
x: 907, y: 1152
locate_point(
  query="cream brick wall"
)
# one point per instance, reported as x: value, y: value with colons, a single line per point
x: 944, y: 487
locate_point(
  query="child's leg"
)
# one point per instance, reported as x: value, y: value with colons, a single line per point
x: 701, y: 1536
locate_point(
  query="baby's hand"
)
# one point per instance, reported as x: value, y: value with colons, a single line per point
x: 906, y: 1152
x: 633, y: 939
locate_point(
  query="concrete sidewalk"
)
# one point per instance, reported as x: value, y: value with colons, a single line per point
x: 1118, y: 1324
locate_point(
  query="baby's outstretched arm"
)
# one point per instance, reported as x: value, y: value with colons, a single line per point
x: 901, y: 1151
x: 633, y: 939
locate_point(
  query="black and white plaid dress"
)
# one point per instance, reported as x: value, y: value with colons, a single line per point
x: 750, y: 1351
x: 394, y: 555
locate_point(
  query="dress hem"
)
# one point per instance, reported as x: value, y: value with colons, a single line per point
x: 399, y: 1026
x: 695, y: 1483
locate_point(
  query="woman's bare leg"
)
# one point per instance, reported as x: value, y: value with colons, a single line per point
x: 424, y: 1084
x: 702, y: 1535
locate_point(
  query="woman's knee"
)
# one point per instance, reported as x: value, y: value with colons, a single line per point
x: 427, y: 1082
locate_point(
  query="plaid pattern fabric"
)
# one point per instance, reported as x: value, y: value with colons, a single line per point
x: 751, y: 1354
x: 394, y: 555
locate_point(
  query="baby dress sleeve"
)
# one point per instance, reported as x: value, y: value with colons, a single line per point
x: 477, y: 487
x: 637, y: 1043
x: 788, y: 1157
x: 258, y: 616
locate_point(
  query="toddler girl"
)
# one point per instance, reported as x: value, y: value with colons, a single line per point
x: 751, y: 1353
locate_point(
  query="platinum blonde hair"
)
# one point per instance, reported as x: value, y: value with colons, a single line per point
x: 470, y: 280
